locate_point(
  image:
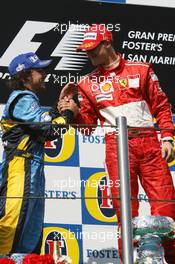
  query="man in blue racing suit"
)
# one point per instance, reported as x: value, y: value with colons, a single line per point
x: 21, y: 219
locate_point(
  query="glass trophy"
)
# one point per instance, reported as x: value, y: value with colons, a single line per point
x: 149, y: 233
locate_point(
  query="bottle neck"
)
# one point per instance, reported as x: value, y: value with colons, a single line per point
x: 56, y: 250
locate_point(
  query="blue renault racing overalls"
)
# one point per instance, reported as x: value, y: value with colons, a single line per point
x: 21, y: 218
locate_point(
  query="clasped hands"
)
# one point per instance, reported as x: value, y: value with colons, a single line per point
x: 66, y: 99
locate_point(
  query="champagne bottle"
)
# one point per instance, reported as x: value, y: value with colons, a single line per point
x: 56, y: 250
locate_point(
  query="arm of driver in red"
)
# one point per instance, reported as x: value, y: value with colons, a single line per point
x: 85, y: 112
x: 161, y: 110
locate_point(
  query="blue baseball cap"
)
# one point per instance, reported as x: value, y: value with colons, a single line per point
x: 26, y: 61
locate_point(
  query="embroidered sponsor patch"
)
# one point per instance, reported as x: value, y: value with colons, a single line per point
x: 80, y: 97
x: 106, y: 87
x: 154, y: 77
x: 91, y: 36
x: 112, y: 74
x: 34, y: 106
x: 102, y: 97
x: 159, y: 89
x: 123, y: 82
x: 33, y: 58
x: 20, y: 67
x: 88, y: 45
x: 46, y: 117
x: 95, y: 88
x: 133, y: 82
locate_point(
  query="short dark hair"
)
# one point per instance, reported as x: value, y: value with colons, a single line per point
x: 17, y: 81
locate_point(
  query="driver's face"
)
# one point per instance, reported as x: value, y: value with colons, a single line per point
x: 99, y: 55
x: 37, y: 79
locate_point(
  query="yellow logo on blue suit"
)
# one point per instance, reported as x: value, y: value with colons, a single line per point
x: 96, y: 205
x: 64, y: 150
x: 68, y: 238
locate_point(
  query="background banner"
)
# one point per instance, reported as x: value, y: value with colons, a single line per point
x: 163, y: 3
x: 74, y: 165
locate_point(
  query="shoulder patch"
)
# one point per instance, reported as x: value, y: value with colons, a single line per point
x: 45, y: 117
x: 154, y: 77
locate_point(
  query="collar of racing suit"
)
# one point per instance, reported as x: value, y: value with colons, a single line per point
x: 117, y: 70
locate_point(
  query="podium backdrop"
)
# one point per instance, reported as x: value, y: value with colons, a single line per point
x: 86, y: 227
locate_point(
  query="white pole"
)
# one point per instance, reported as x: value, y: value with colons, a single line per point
x: 125, y: 193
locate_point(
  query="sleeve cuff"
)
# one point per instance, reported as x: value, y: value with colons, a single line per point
x: 68, y: 115
x: 167, y: 138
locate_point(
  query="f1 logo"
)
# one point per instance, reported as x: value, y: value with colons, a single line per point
x: 23, y: 43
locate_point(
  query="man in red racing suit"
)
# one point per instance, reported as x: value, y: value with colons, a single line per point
x: 131, y: 89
